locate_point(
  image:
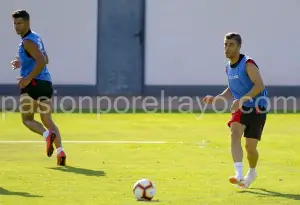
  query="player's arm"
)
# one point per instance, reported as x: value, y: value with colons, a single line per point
x: 225, y: 94
x: 254, y: 75
x: 35, y: 53
x: 46, y: 58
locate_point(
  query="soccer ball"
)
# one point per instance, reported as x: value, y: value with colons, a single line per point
x: 144, y: 190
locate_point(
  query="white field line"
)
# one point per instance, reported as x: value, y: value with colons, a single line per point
x: 87, y: 142
x: 125, y: 142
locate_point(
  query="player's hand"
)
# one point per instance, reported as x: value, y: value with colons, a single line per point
x: 208, y: 99
x: 15, y: 64
x: 236, y: 105
x: 23, y: 82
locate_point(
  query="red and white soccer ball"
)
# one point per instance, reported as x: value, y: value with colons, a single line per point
x: 144, y: 190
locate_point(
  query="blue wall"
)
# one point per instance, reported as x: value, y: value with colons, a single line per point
x: 120, y: 51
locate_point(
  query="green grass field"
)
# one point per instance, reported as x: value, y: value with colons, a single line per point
x: 187, y: 173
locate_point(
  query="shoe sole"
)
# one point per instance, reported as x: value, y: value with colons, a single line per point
x: 62, y: 161
x: 51, y: 148
x: 235, y: 181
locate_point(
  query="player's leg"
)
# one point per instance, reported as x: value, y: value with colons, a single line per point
x: 45, y: 107
x: 252, y: 156
x: 35, y: 90
x: 253, y: 136
x: 46, y: 117
x: 28, y: 107
x: 237, y: 131
x: 252, y: 152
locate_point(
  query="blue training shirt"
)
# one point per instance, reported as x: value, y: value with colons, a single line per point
x: 27, y: 62
x: 240, y: 83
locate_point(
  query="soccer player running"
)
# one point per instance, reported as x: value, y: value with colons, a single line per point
x: 36, y: 86
x: 249, y: 107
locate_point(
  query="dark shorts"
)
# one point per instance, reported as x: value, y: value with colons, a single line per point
x: 39, y: 90
x: 253, y: 118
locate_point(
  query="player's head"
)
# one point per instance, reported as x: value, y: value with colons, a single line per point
x: 21, y: 21
x: 232, y: 44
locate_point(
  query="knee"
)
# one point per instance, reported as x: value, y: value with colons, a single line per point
x: 236, y: 136
x: 250, y: 149
x: 27, y: 119
x: 26, y: 122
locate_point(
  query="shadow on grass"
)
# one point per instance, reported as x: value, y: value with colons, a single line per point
x: 78, y: 170
x: 268, y: 193
x: 152, y: 201
x: 15, y: 193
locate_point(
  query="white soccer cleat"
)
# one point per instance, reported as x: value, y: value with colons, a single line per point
x: 249, y: 179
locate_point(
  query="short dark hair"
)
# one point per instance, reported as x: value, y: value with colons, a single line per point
x: 21, y: 14
x: 234, y: 36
